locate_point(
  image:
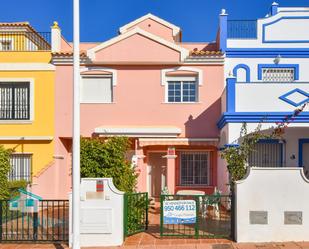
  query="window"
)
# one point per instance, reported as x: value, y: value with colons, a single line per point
x: 14, y: 101
x: 182, y: 91
x: 96, y: 90
x: 266, y: 155
x: 278, y: 74
x: 20, y: 167
x: 6, y: 45
x: 194, y: 168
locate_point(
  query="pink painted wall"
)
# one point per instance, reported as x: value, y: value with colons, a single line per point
x: 155, y: 28
x: 137, y: 48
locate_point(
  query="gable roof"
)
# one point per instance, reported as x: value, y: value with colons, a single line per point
x: 184, y: 52
x: 175, y: 28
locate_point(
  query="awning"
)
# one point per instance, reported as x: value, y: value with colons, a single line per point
x: 138, y: 131
x: 178, y: 141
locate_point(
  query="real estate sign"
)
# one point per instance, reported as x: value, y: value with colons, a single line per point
x: 179, y: 212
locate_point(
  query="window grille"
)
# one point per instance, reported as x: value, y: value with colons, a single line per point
x: 20, y: 167
x: 278, y: 74
x: 266, y: 155
x: 14, y: 101
x: 182, y: 91
x: 194, y: 168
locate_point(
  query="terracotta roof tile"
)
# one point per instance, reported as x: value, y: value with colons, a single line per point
x: 196, y: 52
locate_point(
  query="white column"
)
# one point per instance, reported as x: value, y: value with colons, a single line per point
x: 55, y: 38
x: 76, y: 129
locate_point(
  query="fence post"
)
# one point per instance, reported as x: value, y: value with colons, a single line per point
x: 0, y: 220
x: 146, y: 227
x: 233, y: 214
x: 161, y: 215
x: 35, y: 226
x: 196, y: 227
x: 125, y: 215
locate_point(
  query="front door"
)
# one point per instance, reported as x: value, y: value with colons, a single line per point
x: 156, y: 173
x: 305, y: 162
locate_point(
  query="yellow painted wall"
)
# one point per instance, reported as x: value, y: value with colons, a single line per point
x: 43, y: 123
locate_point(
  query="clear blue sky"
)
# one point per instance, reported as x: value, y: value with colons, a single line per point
x: 100, y: 19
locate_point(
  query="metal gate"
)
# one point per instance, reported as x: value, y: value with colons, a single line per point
x: 50, y: 222
x: 135, y: 213
x: 213, y: 216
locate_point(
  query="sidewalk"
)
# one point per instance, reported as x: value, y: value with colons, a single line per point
x: 177, y: 244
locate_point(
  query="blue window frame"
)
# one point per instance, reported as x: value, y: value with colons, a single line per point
x: 182, y: 91
x: 294, y: 67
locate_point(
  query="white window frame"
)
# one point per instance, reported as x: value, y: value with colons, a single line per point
x: 181, y: 80
x: 32, y: 100
x: 208, y: 169
x: 30, y: 155
x: 10, y: 39
x: 92, y: 76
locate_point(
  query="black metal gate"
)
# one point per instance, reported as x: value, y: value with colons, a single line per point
x: 135, y: 213
x: 49, y: 222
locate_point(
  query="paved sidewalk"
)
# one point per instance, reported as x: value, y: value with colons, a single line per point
x: 177, y: 244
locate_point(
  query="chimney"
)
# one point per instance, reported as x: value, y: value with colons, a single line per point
x: 274, y: 8
x: 55, y: 38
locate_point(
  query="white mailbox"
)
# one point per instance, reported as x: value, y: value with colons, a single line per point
x: 101, y: 214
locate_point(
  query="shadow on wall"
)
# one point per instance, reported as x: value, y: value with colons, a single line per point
x: 205, y: 124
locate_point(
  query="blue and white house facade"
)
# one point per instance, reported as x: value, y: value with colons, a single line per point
x: 267, y: 79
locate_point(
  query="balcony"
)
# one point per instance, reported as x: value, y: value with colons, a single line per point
x: 25, y: 41
x: 242, y: 29
x: 264, y: 102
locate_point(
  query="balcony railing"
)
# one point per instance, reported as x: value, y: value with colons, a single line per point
x: 25, y: 41
x: 242, y: 29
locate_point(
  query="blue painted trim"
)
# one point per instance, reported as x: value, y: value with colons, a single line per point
x: 231, y: 145
x: 267, y: 52
x: 287, y: 100
x: 282, y: 41
x: 223, y: 32
x: 301, y: 142
x: 243, y: 66
x: 295, y: 66
x: 274, y: 9
x: 230, y: 94
x: 257, y: 117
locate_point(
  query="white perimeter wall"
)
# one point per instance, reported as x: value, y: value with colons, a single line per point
x: 274, y: 190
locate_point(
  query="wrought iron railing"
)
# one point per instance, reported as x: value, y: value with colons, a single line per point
x: 48, y: 220
x: 242, y: 29
x: 25, y: 41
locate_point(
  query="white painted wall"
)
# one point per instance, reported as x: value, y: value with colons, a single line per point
x: 257, y: 97
x: 274, y: 190
x: 296, y: 29
x: 101, y: 216
x: 252, y: 63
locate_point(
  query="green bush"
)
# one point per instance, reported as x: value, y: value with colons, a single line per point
x: 13, y: 187
x: 106, y: 158
x: 4, y: 171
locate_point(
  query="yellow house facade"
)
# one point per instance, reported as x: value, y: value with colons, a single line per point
x: 27, y: 101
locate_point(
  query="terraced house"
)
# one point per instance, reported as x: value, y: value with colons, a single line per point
x: 147, y: 84
x: 27, y: 102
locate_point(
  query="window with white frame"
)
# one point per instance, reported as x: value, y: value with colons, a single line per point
x: 278, y: 74
x: 266, y: 155
x: 96, y: 89
x: 6, y: 46
x: 14, y: 100
x: 21, y: 165
x: 194, y: 168
x: 182, y: 90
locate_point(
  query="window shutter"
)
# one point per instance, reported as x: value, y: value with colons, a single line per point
x: 96, y: 90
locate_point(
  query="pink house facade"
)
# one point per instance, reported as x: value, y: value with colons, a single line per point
x: 163, y: 93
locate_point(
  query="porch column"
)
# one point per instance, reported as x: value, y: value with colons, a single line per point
x: 171, y: 169
x: 141, y: 169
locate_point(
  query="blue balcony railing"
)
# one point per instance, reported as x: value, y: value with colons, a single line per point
x: 242, y: 29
